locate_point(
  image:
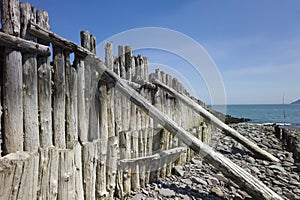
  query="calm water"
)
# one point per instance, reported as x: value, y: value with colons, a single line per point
x: 288, y: 113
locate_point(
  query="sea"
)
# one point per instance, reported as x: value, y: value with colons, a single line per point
x: 288, y: 114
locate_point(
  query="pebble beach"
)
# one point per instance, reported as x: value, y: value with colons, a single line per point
x: 199, y: 180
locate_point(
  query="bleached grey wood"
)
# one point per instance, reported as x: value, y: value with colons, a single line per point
x: 89, y: 167
x: 112, y: 139
x: 125, y: 124
x: 48, y: 173
x: 82, y: 119
x: 225, y: 128
x: 13, y: 81
x: 106, y: 118
x: 66, y: 175
x: 30, y: 96
x: 71, y: 103
x: 46, y: 35
x: 79, y: 193
x: 18, y: 176
x: 242, y: 178
x: 23, y: 45
x: 152, y: 158
x: 59, y: 97
x: 44, y: 87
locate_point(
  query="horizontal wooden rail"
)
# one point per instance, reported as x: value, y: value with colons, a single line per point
x: 23, y: 45
x: 156, y: 156
x: 49, y: 36
x: 217, y: 122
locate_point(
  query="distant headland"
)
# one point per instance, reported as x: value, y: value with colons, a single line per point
x: 296, y: 102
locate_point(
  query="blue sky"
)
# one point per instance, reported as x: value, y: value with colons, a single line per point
x: 254, y: 44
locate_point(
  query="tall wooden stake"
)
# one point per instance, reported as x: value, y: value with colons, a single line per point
x: 13, y: 81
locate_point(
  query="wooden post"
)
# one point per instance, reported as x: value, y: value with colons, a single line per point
x: 118, y: 125
x: 94, y: 96
x: 170, y: 136
x: 13, y: 82
x: 1, y: 73
x: 17, y: 172
x: 71, y: 103
x: 48, y: 173
x: 164, y: 134
x: 177, y: 117
x: 59, y: 101
x: 84, y: 87
x: 82, y: 120
x: 112, y: 139
x: 126, y: 119
x: 66, y: 175
x: 89, y: 167
x: 44, y: 87
x: 30, y: 96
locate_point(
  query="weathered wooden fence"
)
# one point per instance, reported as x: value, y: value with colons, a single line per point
x: 66, y: 133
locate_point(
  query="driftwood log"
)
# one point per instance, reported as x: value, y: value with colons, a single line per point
x: 225, y: 128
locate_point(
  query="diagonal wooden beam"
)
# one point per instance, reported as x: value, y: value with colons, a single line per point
x: 217, y: 122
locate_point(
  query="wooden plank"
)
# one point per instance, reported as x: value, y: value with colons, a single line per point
x: 225, y: 128
x: 59, y: 101
x: 13, y: 81
x: 23, y: 45
x: 242, y: 178
x: 44, y: 87
x: 71, y: 103
x: 30, y: 96
x: 152, y: 158
x: 44, y: 34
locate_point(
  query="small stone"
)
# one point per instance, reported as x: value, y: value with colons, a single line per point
x: 199, y: 180
x: 296, y: 183
x: 196, y: 162
x: 166, y: 192
x: 220, y: 177
x: 187, y: 181
x: 217, y: 191
x: 277, y: 183
x: 255, y: 170
x: 214, y: 181
x: 238, y: 148
x: 178, y: 170
x: 296, y: 190
x: 250, y: 160
x: 276, y: 167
